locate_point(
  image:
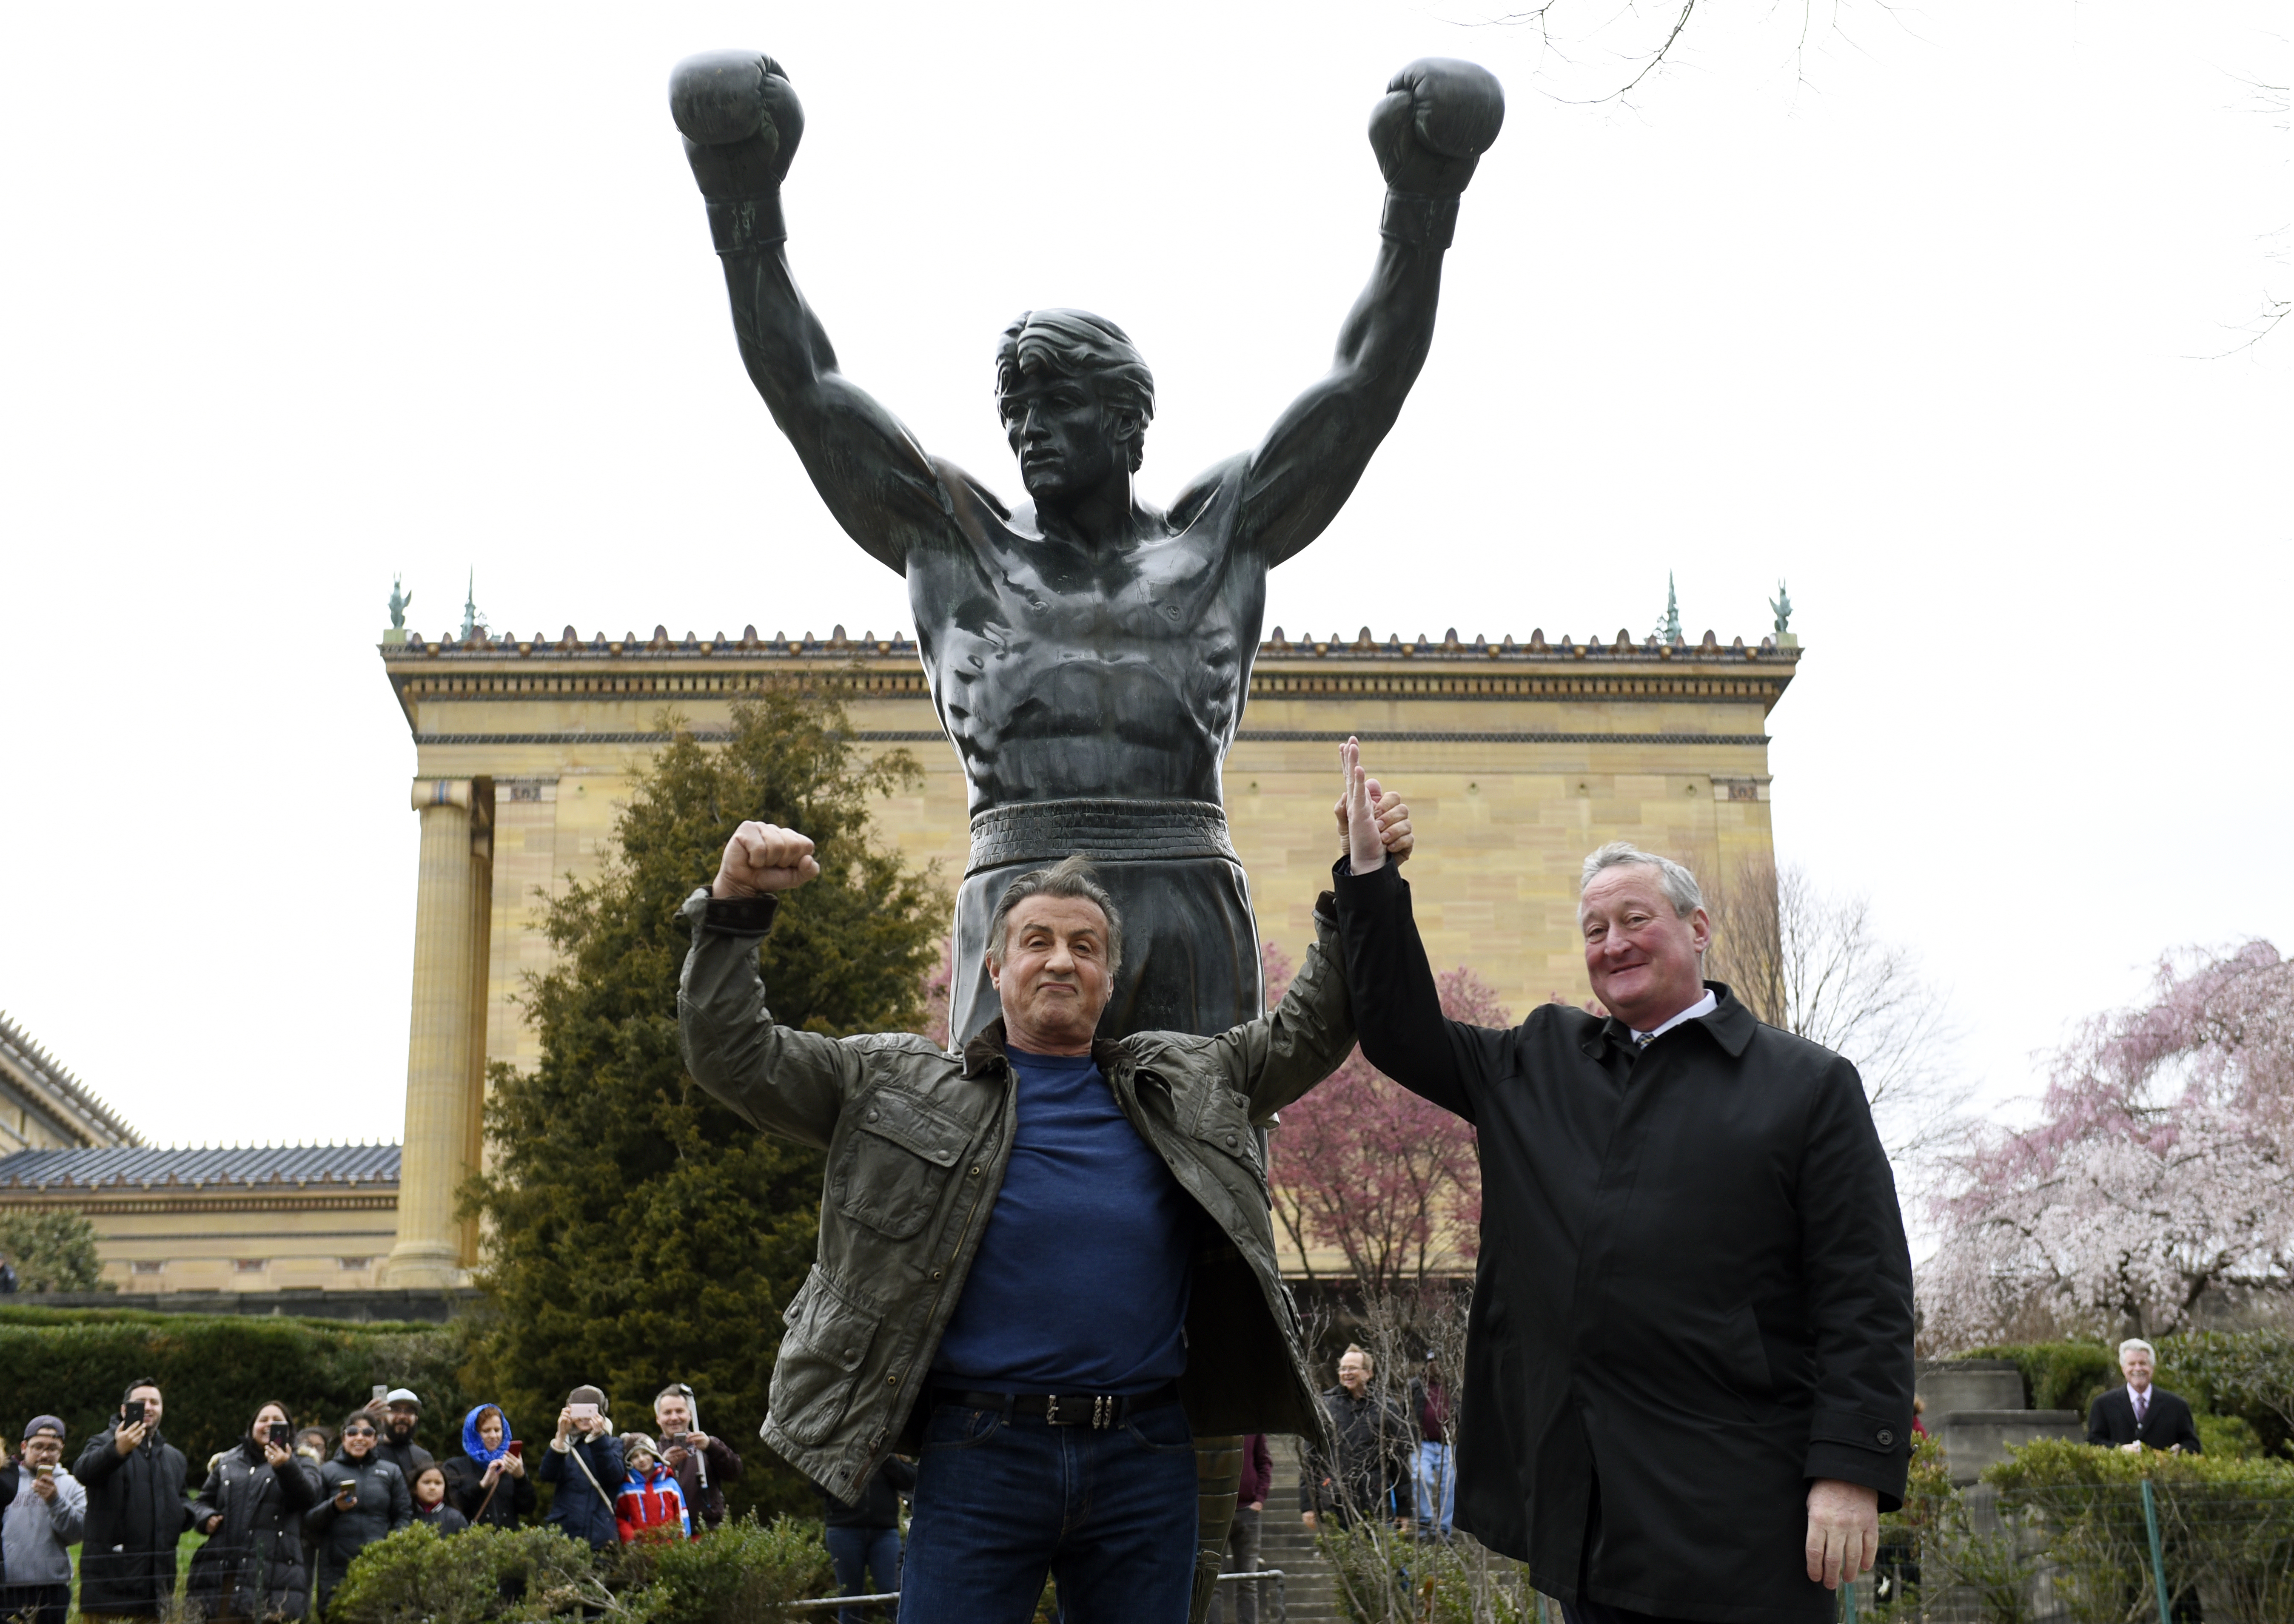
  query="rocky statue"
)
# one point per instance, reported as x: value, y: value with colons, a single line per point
x: 1089, y: 653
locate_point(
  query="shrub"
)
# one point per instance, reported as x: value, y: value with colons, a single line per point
x: 216, y: 1369
x: 416, y: 1576
x: 52, y: 1252
x: 2226, y: 1525
x: 746, y: 1573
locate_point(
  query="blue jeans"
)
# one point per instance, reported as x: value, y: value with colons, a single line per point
x: 869, y: 1554
x: 1434, y: 1476
x: 1109, y: 1514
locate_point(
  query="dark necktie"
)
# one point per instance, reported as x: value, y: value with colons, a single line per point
x: 2141, y: 1407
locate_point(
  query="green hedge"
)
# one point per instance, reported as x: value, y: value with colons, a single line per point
x: 744, y: 1573
x: 2226, y: 1527
x: 216, y: 1369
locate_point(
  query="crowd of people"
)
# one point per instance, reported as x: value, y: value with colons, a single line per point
x: 283, y: 1511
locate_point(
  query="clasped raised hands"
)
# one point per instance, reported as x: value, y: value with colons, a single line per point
x: 1374, y: 823
x: 762, y: 857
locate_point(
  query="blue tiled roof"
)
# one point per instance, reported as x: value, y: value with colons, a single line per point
x: 197, y: 1167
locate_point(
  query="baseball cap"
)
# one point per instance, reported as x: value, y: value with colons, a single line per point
x: 43, y: 1423
x: 403, y: 1395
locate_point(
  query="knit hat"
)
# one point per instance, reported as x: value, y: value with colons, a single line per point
x: 631, y: 1442
x: 43, y: 1423
x: 586, y: 1394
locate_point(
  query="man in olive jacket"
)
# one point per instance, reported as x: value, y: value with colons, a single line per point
x: 136, y: 1511
x: 1689, y: 1365
x: 1040, y: 1261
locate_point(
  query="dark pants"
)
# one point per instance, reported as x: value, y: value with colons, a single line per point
x: 34, y: 1603
x: 1109, y: 1514
x: 867, y: 1561
x: 1241, y: 1557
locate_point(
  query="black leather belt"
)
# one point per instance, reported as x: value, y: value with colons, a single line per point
x: 1096, y: 1410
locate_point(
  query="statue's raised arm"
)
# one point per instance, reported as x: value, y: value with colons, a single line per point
x: 742, y: 121
x: 1428, y: 130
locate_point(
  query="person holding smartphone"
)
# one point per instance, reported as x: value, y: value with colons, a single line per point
x: 251, y: 1510
x: 135, y: 1511
x: 584, y: 1460
x: 487, y: 1482
x: 44, y: 1521
x: 367, y: 1499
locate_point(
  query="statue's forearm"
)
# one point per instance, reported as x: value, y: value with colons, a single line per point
x: 1385, y: 338
x: 782, y: 344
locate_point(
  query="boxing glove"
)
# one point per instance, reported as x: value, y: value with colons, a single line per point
x: 740, y: 122
x: 1430, y: 130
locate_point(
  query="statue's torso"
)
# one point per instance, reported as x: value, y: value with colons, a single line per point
x: 1062, y: 672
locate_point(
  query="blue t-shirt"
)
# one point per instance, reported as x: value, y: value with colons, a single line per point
x: 1081, y: 1282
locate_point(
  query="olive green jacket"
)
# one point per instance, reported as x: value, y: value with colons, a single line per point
x: 917, y: 1140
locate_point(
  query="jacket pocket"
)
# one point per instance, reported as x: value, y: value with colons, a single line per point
x: 896, y: 1163
x: 829, y: 1334
x: 1221, y: 1121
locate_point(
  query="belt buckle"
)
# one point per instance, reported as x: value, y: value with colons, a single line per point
x: 1103, y: 1413
x: 1052, y: 1411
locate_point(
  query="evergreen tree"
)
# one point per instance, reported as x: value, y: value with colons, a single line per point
x: 52, y: 1252
x: 638, y: 1232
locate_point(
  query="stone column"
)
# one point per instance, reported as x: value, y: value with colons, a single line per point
x: 440, y: 1044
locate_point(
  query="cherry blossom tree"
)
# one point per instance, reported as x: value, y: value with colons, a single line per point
x: 2162, y: 1167
x: 1363, y: 1164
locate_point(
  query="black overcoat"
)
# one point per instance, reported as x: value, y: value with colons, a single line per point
x: 253, y: 1566
x: 135, y: 1514
x: 1693, y: 1294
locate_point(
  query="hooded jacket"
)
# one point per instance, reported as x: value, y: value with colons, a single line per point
x: 651, y: 1502
x: 135, y: 1514
x: 35, y: 1535
x: 253, y: 1566
x: 385, y: 1505
x: 510, y: 1500
x: 578, y: 1508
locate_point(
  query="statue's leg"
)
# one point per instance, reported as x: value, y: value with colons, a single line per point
x: 1218, y: 1474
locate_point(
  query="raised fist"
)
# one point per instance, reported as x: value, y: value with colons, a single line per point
x: 1437, y: 118
x: 741, y: 121
x: 764, y: 857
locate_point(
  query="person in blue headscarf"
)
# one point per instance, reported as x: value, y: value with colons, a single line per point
x: 486, y: 1483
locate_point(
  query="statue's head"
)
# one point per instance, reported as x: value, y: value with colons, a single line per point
x: 1075, y: 398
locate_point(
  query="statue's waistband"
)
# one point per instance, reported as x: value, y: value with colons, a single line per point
x: 1104, y: 830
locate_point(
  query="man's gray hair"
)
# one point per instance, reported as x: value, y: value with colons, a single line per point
x: 1680, y: 886
x: 2133, y: 1342
x: 1069, y: 877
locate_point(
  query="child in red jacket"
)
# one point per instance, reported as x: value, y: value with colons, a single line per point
x: 650, y: 1505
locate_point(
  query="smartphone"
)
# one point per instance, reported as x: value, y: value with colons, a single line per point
x: 517, y: 1447
x: 281, y: 1433
x: 43, y: 1471
x: 139, y: 1410
x: 582, y: 1412
x: 381, y: 1391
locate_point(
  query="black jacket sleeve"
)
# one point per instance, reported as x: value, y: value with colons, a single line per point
x: 2186, y: 1428
x: 724, y: 1466
x: 2098, y: 1424
x: 1859, y: 1275
x: 1398, y: 1007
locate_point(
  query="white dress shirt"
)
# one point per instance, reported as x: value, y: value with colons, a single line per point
x: 1703, y: 1006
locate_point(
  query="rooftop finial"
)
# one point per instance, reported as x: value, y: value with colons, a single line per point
x: 1668, y: 627
x: 1782, y: 603
x: 471, y: 618
x: 399, y: 599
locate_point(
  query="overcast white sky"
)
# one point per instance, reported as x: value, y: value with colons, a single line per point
x: 1918, y: 316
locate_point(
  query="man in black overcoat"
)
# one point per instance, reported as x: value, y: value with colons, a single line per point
x: 137, y: 1512
x: 1688, y: 1364
x: 2140, y: 1416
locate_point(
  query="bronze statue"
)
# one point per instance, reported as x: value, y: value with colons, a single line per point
x: 1089, y: 654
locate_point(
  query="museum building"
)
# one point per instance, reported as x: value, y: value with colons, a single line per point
x: 1517, y: 758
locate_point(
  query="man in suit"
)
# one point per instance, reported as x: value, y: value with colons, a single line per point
x: 2138, y: 1415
